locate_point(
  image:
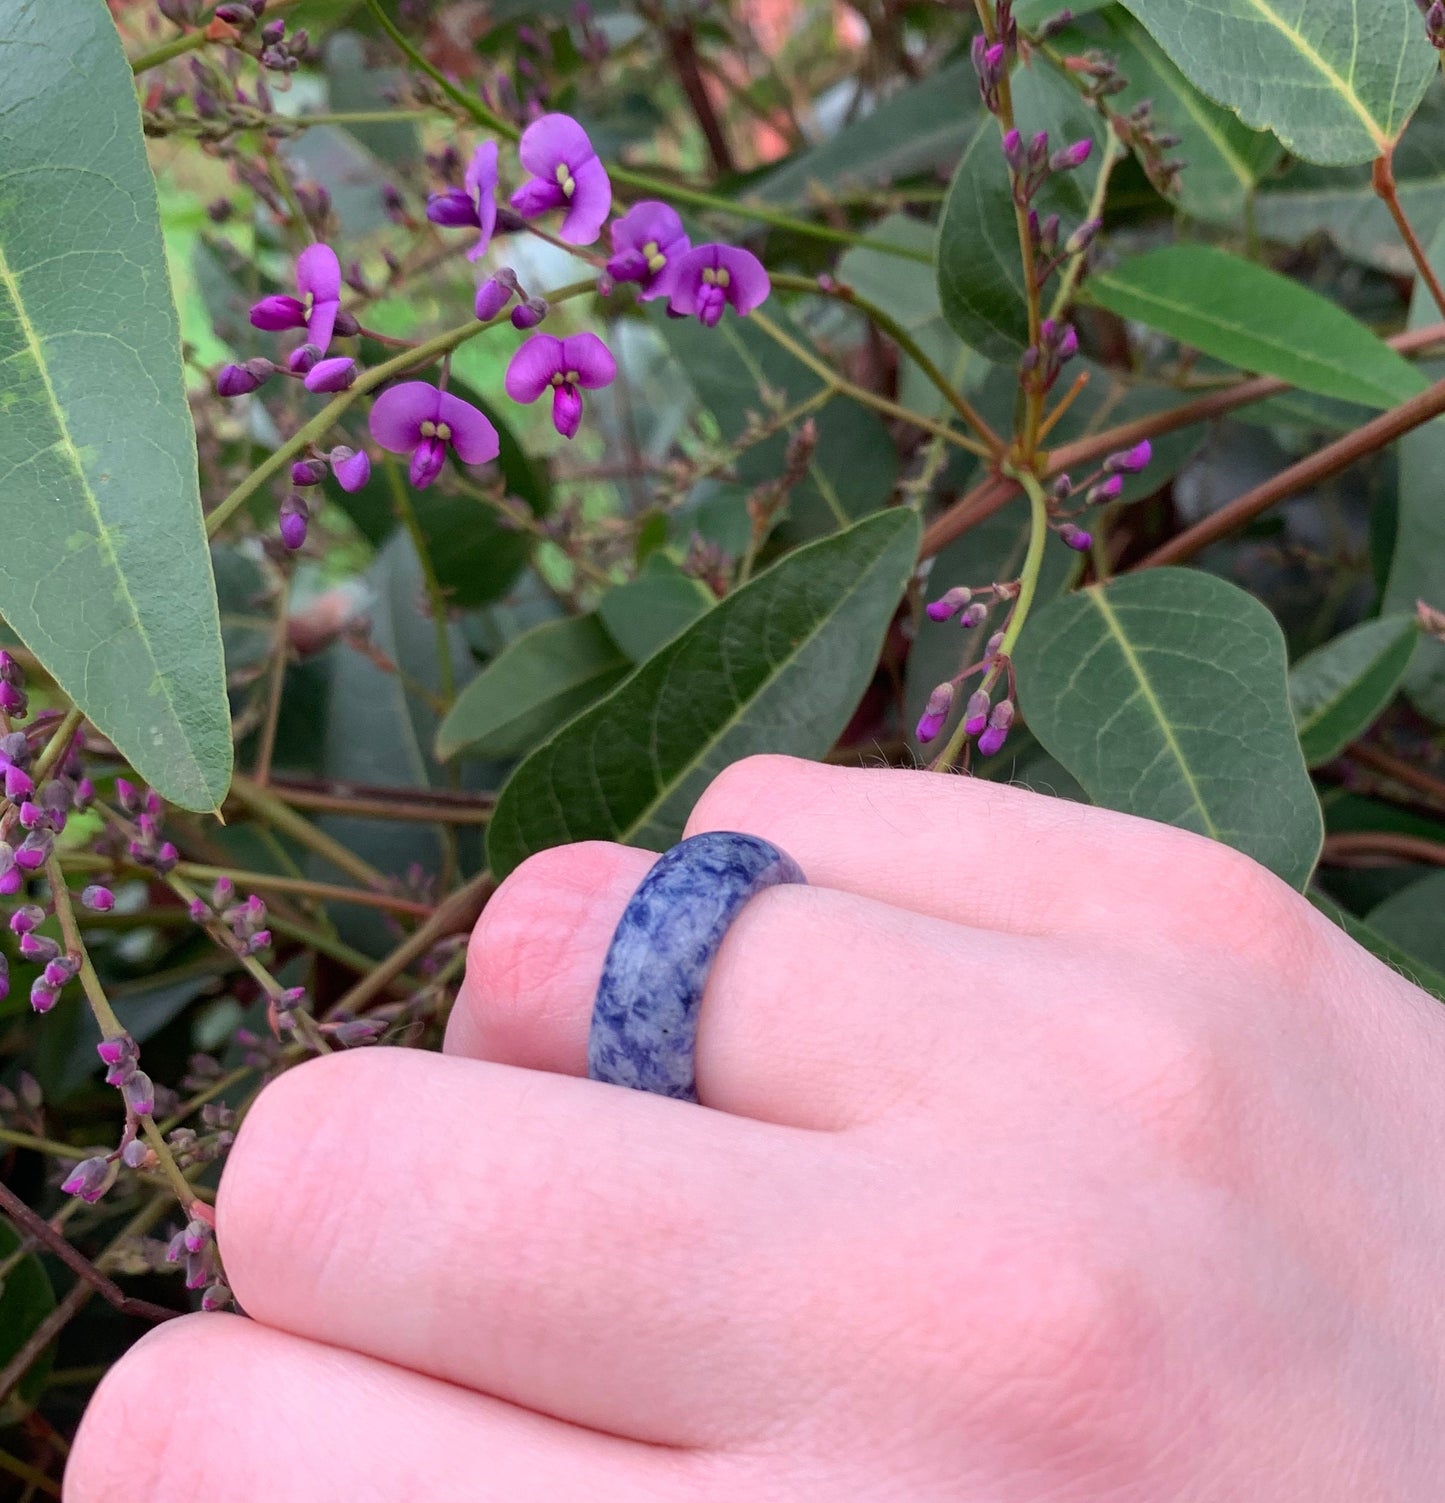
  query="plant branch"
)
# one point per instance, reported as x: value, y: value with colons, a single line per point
x: 408, y: 805
x: 1380, y: 848
x: 1377, y: 759
x: 681, y: 42
x: 189, y: 41
x: 1383, y: 179
x: 32, y: 1476
x: 281, y: 816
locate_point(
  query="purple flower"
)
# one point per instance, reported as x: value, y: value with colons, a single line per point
x: 993, y: 738
x: 1076, y: 538
x: 335, y: 374
x: 308, y: 472
x: 949, y: 604
x: 1067, y: 158
x: 710, y: 276
x: 352, y: 467
x: 238, y: 380
x: 566, y: 174
x: 292, y: 518
x: 529, y: 314
x: 648, y: 242
x: 475, y: 204
x: 1130, y: 461
x: 564, y: 365
x: 88, y: 1179
x: 318, y: 279
x: 418, y: 419
x: 493, y: 295
x: 935, y: 712
x: 97, y: 898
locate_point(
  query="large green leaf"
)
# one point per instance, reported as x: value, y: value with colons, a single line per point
x: 855, y: 465
x: 1417, y: 569
x: 776, y: 667
x: 980, y: 273
x: 537, y: 683
x: 645, y: 612
x: 1335, y: 80
x: 1164, y: 693
x: 1343, y: 202
x: 104, y: 573
x: 920, y: 129
x: 1339, y: 689
x: 1257, y: 320
x: 26, y: 1298
x: 1225, y: 158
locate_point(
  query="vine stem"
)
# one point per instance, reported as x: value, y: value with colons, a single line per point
x: 419, y: 355
x: 861, y: 394
x: 1382, y: 178
x: 643, y: 182
x: 55, y: 748
x: 1379, y: 848
x: 905, y: 341
x: 110, y: 1026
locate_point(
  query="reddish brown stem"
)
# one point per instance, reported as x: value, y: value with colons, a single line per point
x: 1390, y: 766
x: 1381, y: 847
x: 1383, y: 178
x: 682, y: 48
x: 1310, y: 471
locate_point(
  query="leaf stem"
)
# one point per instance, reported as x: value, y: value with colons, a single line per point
x: 1383, y: 179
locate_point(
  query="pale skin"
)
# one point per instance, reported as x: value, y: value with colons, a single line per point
x: 1047, y: 1156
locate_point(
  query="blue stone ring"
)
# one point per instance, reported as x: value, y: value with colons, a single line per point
x: 644, y: 1021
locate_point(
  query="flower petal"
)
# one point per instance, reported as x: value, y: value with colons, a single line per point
x: 352, y: 468
x: 648, y: 220
x: 398, y: 413
x: 319, y: 272
x: 566, y: 410
x: 748, y: 283
x: 537, y: 196
x: 473, y: 436
x: 590, y: 358
x: 591, y: 203
x: 452, y: 208
x: 552, y: 139
x: 278, y: 312
x: 687, y: 271
x: 322, y: 323
x: 481, y: 181
x: 533, y: 366
x: 426, y: 462
x: 335, y: 374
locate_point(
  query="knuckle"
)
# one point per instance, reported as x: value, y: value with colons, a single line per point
x: 743, y: 788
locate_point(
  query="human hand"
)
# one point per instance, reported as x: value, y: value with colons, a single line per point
x: 1047, y: 1155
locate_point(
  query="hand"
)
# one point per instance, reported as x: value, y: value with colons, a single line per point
x: 1047, y: 1155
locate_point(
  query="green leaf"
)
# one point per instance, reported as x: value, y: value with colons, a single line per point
x: 1225, y: 158
x: 1410, y: 920
x: 1417, y: 568
x: 1338, y: 690
x: 1335, y: 80
x: 1257, y: 320
x: 980, y: 274
x: 920, y: 129
x: 855, y: 465
x: 778, y: 666
x: 1164, y: 693
x: 25, y: 1300
x: 1343, y: 203
x: 104, y: 573
x: 537, y: 683
x: 1377, y: 940
x: 647, y: 611
x: 1031, y: 13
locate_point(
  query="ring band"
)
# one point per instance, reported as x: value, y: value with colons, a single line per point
x: 644, y: 1021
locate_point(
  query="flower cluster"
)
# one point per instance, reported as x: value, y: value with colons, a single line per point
x: 425, y: 422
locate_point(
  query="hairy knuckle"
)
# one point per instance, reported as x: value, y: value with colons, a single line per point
x: 740, y: 788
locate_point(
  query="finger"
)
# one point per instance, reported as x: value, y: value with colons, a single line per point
x: 218, y: 1408
x: 823, y: 1009
x: 608, y: 1257
x: 1004, y: 858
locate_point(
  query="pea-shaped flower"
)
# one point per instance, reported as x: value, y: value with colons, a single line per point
x: 648, y: 242
x: 709, y: 277
x: 564, y: 365
x: 417, y: 418
x: 475, y: 203
x: 566, y: 174
x: 318, y: 280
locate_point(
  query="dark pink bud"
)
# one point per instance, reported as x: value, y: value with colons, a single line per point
x: 84, y: 793
x: 529, y: 314
x: 236, y: 381
x: 13, y: 701
x: 1106, y: 491
x: 1076, y: 538
x: 196, y: 1235
x: 38, y: 947
x: 973, y: 615
x: 223, y: 894
x: 127, y: 796
x: 88, y: 1179
x: 935, y: 712
x: 948, y: 605
x: 301, y: 359
x: 166, y: 857
x: 216, y: 1297
x: 975, y: 714
x: 61, y: 971
x: 117, y: 1051
x: 492, y: 296
x: 18, y: 784
x: 308, y: 472
x: 1130, y: 461
x: 34, y: 851
x: 1013, y: 150
x: 32, y: 816
x: 11, y: 671
x: 293, y: 518
x: 42, y: 995
x: 27, y: 919
x: 198, y: 911
x: 1069, y: 157
x: 335, y: 374
x: 97, y: 898
x: 139, y: 1093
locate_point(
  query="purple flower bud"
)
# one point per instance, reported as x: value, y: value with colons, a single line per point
x: 948, y: 605
x: 346, y: 324
x: 357, y: 1031
x: 1069, y: 157
x: 27, y: 919
x: 1047, y: 234
x: 236, y: 381
x: 1076, y: 538
x: 973, y: 615
x: 452, y: 208
x: 97, y: 898
x: 223, y: 894
x: 302, y: 358
x: 176, y: 1248
x: 1068, y: 345
x: 127, y: 796
x: 351, y: 467
x: 117, y: 1051
x: 991, y: 741
x: 975, y: 712
x: 308, y: 472
x: 260, y: 940
x: 38, y: 948
x: 198, y: 1268
x: 1106, y: 491
x: 61, y: 971
x: 166, y: 857
x: 32, y: 816
x: 88, y: 1179
x: 240, y: 15
x: 137, y: 1154
x: 56, y: 797
x: 42, y: 996
x: 935, y: 713
x: 84, y: 793
x: 17, y: 783
x: 1130, y: 461
x: 335, y: 374
x: 1083, y: 237
x: 198, y: 911
x: 293, y: 519
x: 4, y: 992
x: 529, y: 314
x: 139, y: 1093
x: 196, y: 1235
x: 11, y: 671
x: 13, y: 701
x: 273, y: 31
x: 216, y: 1297
x: 1039, y: 149
x: 34, y: 851
x: 1013, y: 150
x: 492, y: 296
x: 279, y: 312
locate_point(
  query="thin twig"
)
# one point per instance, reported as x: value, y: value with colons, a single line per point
x: 1388, y: 765
x: 1383, y: 178
x: 1381, y: 848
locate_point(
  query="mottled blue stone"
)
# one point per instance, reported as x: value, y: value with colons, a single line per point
x: 644, y: 1021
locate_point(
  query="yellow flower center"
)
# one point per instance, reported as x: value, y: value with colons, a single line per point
x: 571, y: 378
x: 444, y: 431
x: 715, y: 276
x: 565, y: 181
x: 428, y: 428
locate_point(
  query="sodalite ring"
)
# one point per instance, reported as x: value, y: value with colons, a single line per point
x: 644, y: 1021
